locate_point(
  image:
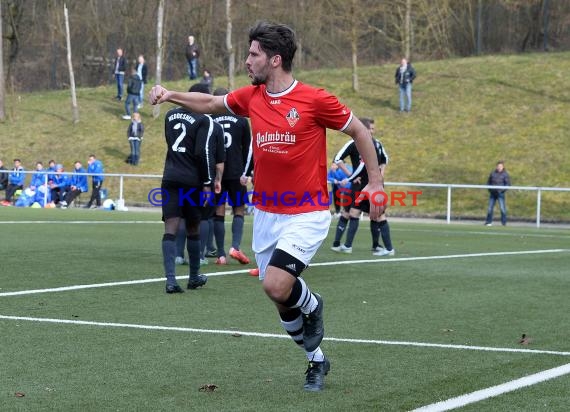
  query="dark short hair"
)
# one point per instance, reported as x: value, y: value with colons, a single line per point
x: 221, y: 91
x: 199, y: 88
x: 17, y: 160
x: 275, y: 39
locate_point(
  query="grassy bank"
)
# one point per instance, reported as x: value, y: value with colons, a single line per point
x: 467, y: 114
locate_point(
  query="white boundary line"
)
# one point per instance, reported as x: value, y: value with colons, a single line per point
x: 281, y: 336
x: 496, y: 390
x: 80, y: 222
x: 232, y: 272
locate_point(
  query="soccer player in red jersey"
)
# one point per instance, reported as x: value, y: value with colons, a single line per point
x: 289, y: 121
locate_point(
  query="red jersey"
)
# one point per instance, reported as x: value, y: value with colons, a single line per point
x: 289, y: 144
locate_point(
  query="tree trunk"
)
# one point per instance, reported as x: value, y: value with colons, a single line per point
x: 408, y: 29
x: 2, y: 84
x: 354, y: 45
x: 479, y: 16
x: 229, y: 46
x: 74, y: 108
x: 159, y: 50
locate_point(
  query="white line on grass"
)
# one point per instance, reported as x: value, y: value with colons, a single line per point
x: 282, y: 336
x: 484, y: 232
x: 493, y: 391
x: 232, y: 272
x: 81, y: 222
x: 467, y: 255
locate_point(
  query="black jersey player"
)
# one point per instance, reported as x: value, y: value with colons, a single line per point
x: 187, y: 183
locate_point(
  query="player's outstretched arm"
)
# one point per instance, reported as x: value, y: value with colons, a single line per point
x: 195, y: 102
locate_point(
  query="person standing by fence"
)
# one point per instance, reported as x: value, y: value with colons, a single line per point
x: 498, y: 177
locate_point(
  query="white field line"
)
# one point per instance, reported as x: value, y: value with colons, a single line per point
x: 484, y: 232
x: 466, y: 255
x: 493, y: 391
x: 232, y: 272
x: 281, y: 336
x: 81, y: 222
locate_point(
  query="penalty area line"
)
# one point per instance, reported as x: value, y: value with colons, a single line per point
x: 281, y: 336
x: 497, y: 390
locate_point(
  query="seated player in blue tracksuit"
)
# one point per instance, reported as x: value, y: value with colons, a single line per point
x: 78, y: 184
x: 60, y: 185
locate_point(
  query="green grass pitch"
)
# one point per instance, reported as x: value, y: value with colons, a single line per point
x: 434, y: 322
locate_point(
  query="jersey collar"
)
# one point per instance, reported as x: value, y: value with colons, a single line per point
x: 284, y: 92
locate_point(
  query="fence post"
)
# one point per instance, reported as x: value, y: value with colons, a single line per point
x: 448, y: 204
x: 47, y: 188
x: 121, y: 187
x: 538, y: 199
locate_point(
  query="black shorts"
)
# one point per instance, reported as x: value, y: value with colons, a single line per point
x: 348, y: 197
x: 181, y: 201
x: 233, y: 193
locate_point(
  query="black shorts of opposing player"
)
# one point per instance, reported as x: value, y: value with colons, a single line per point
x: 347, y: 198
x: 283, y: 260
x: 233, y: 193
x: 181, y: 201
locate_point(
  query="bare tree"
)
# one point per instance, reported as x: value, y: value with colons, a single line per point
x: 2, y: 84
x: 159, y: 50
x: 229, y: 46
x: 408, y: 30
x: 74, y: 108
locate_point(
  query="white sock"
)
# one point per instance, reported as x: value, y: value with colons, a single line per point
x: 316, y: 356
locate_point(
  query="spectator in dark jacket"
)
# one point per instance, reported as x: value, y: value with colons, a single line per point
x: 3, y: 177
x: 135, y: 133
x: 405, y: 75
x: 498, y: 177
x: 133, y: 94
x: 119, y: 67
x: 192, y: 56
x: 142, y: 71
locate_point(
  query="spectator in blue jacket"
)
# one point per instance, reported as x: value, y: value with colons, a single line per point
x: 39, y: 177
x: 338, y: 181
x: 16, y: 181
x: 78, y: 185
x: 96, y: 169
x: 51, y: 170
x: 60, y: 185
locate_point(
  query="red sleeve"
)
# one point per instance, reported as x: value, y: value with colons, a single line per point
x: 331, y: 113
x: 237, y: 101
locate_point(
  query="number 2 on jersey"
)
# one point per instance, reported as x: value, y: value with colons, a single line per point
x: 176, y: 146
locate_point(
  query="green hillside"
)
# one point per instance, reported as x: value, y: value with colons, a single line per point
x: 467, y: 114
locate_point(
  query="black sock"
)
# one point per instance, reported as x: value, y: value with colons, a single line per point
x: 292, y: 322
x: 168, y: 256
x: 204, y: 233
x: 375, y: 232
x: 351, y: 232
x: 340, y: 228
x: 210, y: 244
x: 193, y: 248
x: 237, y: 231
x: 385, y: 231
x: 219, y: 234
x: 181, y: 241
